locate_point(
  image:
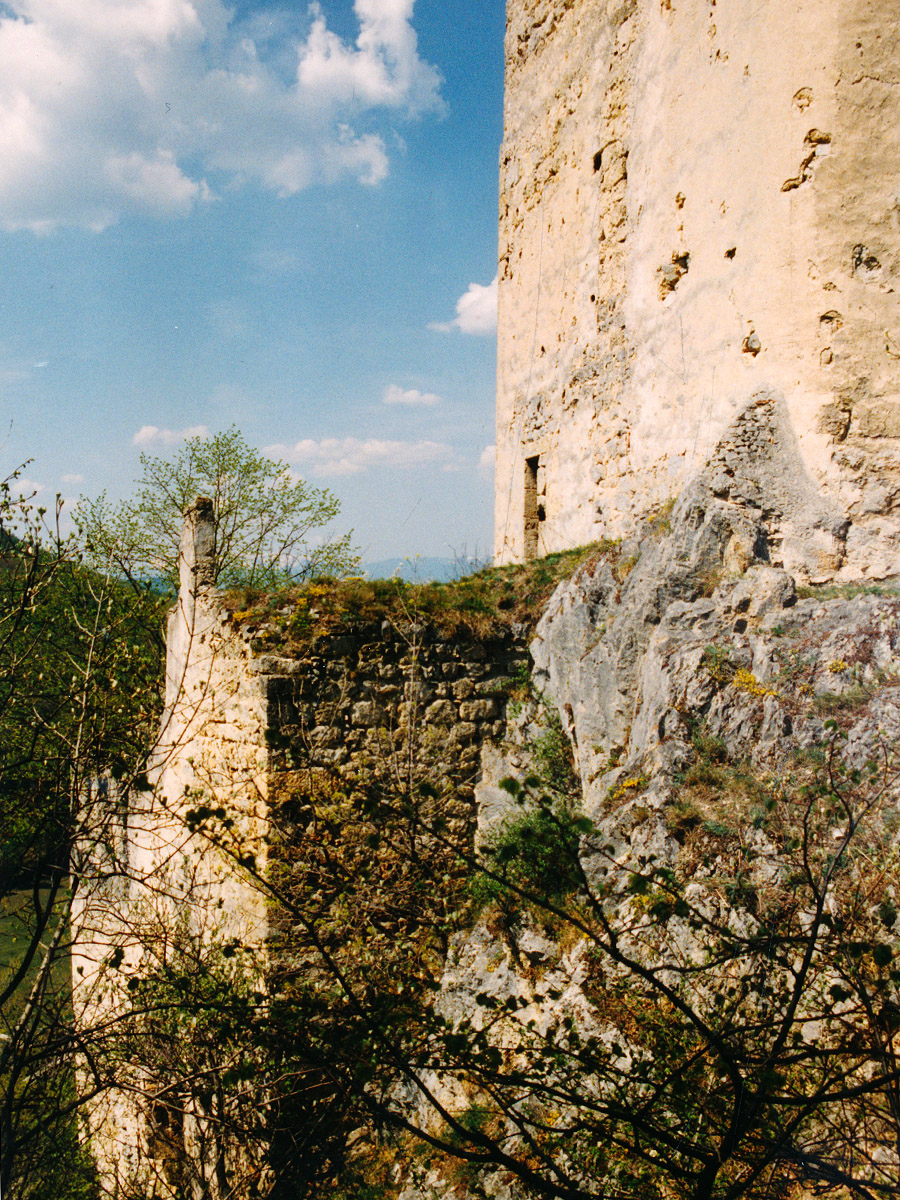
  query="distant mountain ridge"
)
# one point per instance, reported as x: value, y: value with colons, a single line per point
x: 423, y: 569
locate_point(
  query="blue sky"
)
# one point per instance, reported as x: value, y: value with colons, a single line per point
x: 282, y: 217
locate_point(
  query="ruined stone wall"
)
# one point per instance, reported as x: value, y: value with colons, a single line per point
x: 359, y: 702
x: 161, y: 886
x: 700, y: 203
x: 362, y: 703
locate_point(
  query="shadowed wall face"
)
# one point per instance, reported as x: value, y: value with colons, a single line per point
x: 698, y: 206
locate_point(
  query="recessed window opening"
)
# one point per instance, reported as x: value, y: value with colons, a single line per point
x: 534, y: 507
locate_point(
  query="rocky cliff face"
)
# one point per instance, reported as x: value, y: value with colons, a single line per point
x: 701, y: 693
x: 600, y: 641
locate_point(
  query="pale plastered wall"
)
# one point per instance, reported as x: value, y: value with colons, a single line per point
x: 700, y: 202
x: 165, y: 882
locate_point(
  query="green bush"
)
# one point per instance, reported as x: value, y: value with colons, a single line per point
x: 551, y: 753
x: 717, y: 661
x: 534, y: 851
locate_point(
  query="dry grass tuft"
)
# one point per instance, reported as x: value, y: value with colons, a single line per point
x: 485, y: 604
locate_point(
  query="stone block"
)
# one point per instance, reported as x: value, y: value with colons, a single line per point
x: 878, y: 419
x: 442, y: 712
x: 418, y: 692
x: 364, y: 713
x: 497, y: 686
x: 324, y: 735
x: 463, y: 731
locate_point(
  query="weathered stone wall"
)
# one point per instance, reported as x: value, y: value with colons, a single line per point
x: 160, y: 885
x: 699, y: 203
x: 359, y: 703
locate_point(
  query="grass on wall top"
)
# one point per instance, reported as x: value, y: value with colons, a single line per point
x: 487, y: 603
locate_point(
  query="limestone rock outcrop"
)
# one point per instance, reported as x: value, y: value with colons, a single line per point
x: 682, y: 673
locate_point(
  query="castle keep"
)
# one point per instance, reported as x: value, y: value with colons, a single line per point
x: 699, y: 208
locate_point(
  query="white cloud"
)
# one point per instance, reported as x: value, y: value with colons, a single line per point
x: 411, y: 398
x: 153, y: 106
x: 154, y: 185
x: 72, y: 478
x: 476, y: 311
x: 28, y: 487
x: 486, y: 462
x: 350, y: 456
x: 153, y: 436
x: 383, y: 69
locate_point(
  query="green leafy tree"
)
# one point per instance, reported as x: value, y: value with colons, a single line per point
x: 79, y: 707
x: 271, y: 530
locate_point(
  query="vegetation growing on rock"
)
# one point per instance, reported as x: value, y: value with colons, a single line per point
x: 649, y: 953
x: 486, y: 603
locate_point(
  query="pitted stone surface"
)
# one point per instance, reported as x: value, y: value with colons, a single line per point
x: 698, y: 204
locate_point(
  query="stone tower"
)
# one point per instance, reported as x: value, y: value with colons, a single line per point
x: 700, y: 206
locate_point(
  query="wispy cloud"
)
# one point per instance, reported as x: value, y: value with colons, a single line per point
x: 28, y: 487
x: 151, y: 436
x: 155, y: 106
x: 70, y: 479
x: 16, y: 370
x: 350, y: 455
x: 476, y: 311
x: 486, y: 462
x: 410, y: 397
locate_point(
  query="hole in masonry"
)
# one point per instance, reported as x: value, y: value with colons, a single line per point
x: 530, y: 506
